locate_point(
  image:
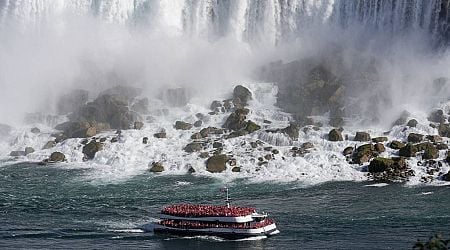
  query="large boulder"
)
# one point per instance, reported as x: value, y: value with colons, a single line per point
x: 412, y: 123
x: 243, y: 94
x: 444, y: 130
x: 157, y: 167
x: 446, y: 177
x: 362, y: 136
x: 292, y: 131
x: 90, y: 149
x: 415, y: 138
x: 57, y: 157
x: 386, y: 169
x: 379, y: 139
x: 193, y: 147
x: 410, y: 150
x: 216, y: 163
x: 335, y: 135
x: 160, y: 135
x: 396, y: 145
x: 72, y: 101
x: 210, y: 130
x: 180, y: 125
x: 236, y: 120
x: 347, y: 151
x: 380, y: 164
x: 17, y: 153
x: 252, y: 127
x: 364, y: 153
x: 437, y: 116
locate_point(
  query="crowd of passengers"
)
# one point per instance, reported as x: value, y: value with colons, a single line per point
x: 207, y: 224
x: 188, y: 210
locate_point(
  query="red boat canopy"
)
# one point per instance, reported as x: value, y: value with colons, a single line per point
x: 190, y: 210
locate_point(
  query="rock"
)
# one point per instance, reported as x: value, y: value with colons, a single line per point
x: 180, y: 125
x: 196, y: 136
x: 362, y: 136
x: 210, y: 130
x: 306, y: 145
x: 409, y: 150
x: 157, y: 167
x: 198, y: 123
x: 5, y: 129
x: 215, y: 105
x: 57, y: 157
x: 145, y: 140
x: 275, y: 151
x: 243, y: 94
x: 160, y: 135
x: 176, y: 97
x: 268, y: 157
x: 17, y: 153
x: 292, y: 131
x: 423, y: 146
x: 385, y: 169
x: 396, y: 145
x: 347, y: 151
x: 114, y: 139
x: 441, y: 146
x: 236, y: 120
x: 412, y: 123
x: 138, y: 125
x: 204, y: 155
x: 434, y: 138
x: 415, y: 138
x: 252, y: 127
x: 364, y: 153
x: 402, y: 119
x: 380, y: 164
x: 81, y: 129
x: 90, y: 149
x: 49, y: 144
x: 193, y: 147
x: 379, y: 139
x: 29, y: 150
x: 335, y: 135
x: 437, y: 116
x: 217, y: 145
x: 35, y: 130
x: 216, y: 163
x: 140, y: 106
x: 444, y: 130
x: 236, y: 169
x: 379, y: 147
x: 446, y: 177
x: 72, y: 101
x: 191, y: 170
x: 430, y: 152
x: 122, y: 93
x: 235, y: 134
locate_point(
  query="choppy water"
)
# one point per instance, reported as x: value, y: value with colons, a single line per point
x: 51, y: 206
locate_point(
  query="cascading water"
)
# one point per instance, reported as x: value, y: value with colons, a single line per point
x: 248, y: 20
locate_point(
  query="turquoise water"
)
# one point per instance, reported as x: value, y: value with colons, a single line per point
x: 52, y: 206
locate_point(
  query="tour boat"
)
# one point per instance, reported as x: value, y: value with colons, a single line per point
x: 225, y: 221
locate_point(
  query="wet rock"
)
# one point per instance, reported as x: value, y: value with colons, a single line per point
x: 396, y: 145
x: 379, y: 139
x: 253, y: 144
x: 191, y: 170
x: 29, y: 150
x: 412, y: 123
x: 434, y: 138
x: 210, y: 130
x: 204, y: 155
x: 236, y: 169
x: 362, y: 136
x: 198, y: 123
x: 180, y: 125
x: 364, y: 153
x: 35, y: 130
x: 17, y: 153
x: 423, y: 146
x: 437, y: 116
x: 196, y: 136
x: 380, y: 164
x: 335, y: 135
x: 57, y: 157
x: 444, y: 130
x: 446, y: 177
x: 193, y: 147
x: 292, y: 131
x: 415, y: 138
x: 306, y: 145
x: 138, y: 125
x: 90, y: 149
x: 430, y: 152
x: 243, y: 94
x: 235, y: 134
x: 441, y: 146
x: 216, y: 163
x: 49, y: 144
x: 410, y: 150
x: 347, y: 151
x: 160, y: 135
x: 217, y: 145
x: 385, y: 169
x: 81, y: 129
x: 145, y: 140
x: 275, y: 151
x: 72, y: 101
x: 236, y: 120
x: 268, y: 157
x: 379, y: 147
x: 114, y: 139
x: 252, y: 127
x: 157, y: 167
x: 215, y: 105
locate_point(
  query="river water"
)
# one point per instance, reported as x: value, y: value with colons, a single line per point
x: 55, y: 207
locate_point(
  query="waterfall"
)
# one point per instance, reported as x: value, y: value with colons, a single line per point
x: 247, y: 20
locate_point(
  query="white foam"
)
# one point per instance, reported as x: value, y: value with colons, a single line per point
x: 377, y: 185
